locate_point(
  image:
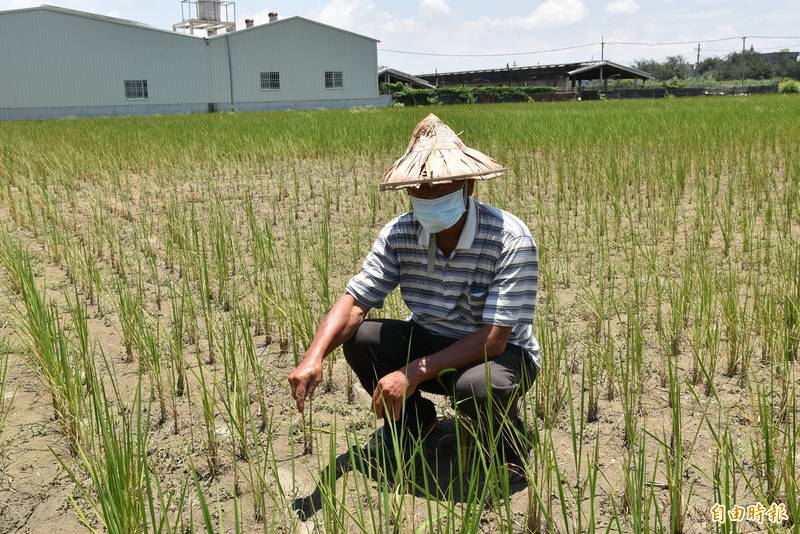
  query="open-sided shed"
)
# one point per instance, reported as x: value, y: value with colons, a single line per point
x: 390, y: 75
x: 561, y: 75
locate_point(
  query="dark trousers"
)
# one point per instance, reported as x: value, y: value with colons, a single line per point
x: 493, y: 386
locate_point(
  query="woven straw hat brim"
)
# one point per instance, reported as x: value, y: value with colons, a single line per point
x: 436, y: 155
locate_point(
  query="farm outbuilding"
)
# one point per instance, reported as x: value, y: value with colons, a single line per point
x: 561, y: 76
x: 390, y: 75
x: 60, y: 62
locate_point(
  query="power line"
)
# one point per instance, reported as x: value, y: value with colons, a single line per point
x: 488, y: 55
x: 575, y: 47
x: 674, y: 42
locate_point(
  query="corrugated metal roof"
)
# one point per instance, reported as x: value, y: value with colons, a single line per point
x: 401, y: 74
x: 596, y: 64
x: 95, y: 16
x: 143, y: 26
x: 270, y: 24
x: 571, y: 68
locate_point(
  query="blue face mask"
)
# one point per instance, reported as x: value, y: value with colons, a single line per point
x: 437, y: 214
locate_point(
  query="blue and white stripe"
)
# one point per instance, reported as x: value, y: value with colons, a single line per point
x: 490, y: 278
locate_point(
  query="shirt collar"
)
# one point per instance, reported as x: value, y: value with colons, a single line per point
x: 467, y: 233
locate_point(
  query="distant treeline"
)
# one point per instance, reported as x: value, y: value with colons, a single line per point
x: 747, y: 65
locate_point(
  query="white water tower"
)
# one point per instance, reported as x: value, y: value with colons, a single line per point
x: 210, y: 16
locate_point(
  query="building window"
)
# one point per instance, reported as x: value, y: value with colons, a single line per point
x: 333, y: 79
x: 136, y: 89
x: 270, y: 80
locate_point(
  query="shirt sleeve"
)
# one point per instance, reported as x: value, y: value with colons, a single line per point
x: 512, y: 293
x: 379, y: 275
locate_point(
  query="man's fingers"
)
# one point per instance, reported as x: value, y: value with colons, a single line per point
x: 311, y: 387
x: 377, y: 402
x: 300, y: 394
x: 375, y: 396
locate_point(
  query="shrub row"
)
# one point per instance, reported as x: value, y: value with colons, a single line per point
x: 789, y: 86
x: 460, y: 95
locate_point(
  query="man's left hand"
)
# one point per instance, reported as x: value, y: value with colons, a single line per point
x: 392, y: 389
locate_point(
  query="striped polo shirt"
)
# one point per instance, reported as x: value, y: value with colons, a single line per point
x: 490, y: 278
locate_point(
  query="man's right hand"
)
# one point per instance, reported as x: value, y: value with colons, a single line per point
x: 304, y: 380
x: 339, y: 325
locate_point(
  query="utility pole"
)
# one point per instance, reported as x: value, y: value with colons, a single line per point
x: 602, y: 58
x: 697, y: 63
x: 743, y: 49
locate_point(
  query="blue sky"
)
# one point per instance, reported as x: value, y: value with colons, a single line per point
x: 508, y: 26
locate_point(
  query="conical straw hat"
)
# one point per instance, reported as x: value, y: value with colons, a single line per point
x: 436, y: 155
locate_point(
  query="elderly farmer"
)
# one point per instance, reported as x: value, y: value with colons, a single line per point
x: 467, y: 271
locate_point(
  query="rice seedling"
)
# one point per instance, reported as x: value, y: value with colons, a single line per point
x: 6, y: 397
x: 209, y: 403
x: 123, y: 493
x: 48, y: 352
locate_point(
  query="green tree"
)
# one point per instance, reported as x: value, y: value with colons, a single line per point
x: 787, y: 69
x: 673, y: 67
x: 747, y: 65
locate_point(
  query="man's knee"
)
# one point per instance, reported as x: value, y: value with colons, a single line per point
x: 481, y: 388
x: 360, y: 352
x: 364, y: 337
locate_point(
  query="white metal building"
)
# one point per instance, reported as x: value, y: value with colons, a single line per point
x: 58, y: 62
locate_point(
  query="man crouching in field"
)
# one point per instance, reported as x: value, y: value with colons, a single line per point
x: 468, y: 272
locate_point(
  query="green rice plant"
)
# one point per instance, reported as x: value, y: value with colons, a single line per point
x: 790, y: 473
x: 208, y: 398
x: 191, y: 315
x: 123, y: 493
x: 223, y: 252
x: 630, y: 378
x: 6, y: 398
x: 541, y: 507
x: 261, y: 474
x: 177, y: 339
x: 303, y: 318
x: 264, y: 261
x: 790, y: 331
x: 730, y: 305
x: 725, y: 475
x: 638, y: 499
x: 207, y: 309
x: 552, y: 391
x: 149, y: 345
x: 765, y: 448
x: 92, y: 281
x: 47, y: 350
x: 177, y: 367
x: 236, y: 377
x: 677, y: 455
x: 586, y: 485
x: 209, y: 526
x: 261, y: 377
